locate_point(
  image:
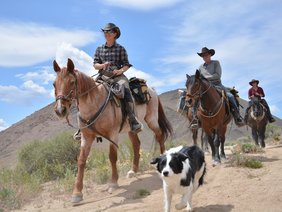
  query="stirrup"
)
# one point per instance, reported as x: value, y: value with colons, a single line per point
x: 77, y: 135
x: 194, y: 124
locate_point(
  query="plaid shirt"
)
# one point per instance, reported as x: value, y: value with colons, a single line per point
x: 116, y: 55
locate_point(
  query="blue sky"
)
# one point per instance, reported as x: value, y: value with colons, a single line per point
x: 162, y: 38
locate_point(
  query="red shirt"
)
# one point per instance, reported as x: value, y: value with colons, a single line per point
x: 252, y: 92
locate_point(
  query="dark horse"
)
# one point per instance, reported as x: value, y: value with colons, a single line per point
x: 257, y: 120
x: 213, y: 112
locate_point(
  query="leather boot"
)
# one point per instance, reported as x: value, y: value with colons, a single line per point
x: 135, y: 126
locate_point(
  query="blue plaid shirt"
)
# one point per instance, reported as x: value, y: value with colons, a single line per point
x: 116, y: 55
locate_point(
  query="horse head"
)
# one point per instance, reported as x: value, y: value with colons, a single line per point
x: 193, y: 88
x: 65, y: 88
x: 257, y: 108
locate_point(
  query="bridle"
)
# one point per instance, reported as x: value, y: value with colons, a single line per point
x: 198, y: 92
x: 200, y: 95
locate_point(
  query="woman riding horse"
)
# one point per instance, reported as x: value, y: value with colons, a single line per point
x: 256, y: 91
x: 211, y: 70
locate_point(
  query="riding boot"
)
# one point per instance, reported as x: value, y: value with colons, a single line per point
x: 237, y: 118
x: 268, y: 114
x: 135, y: 126
x: 195, y: 122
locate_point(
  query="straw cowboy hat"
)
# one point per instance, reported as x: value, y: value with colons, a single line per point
x: 206, y: 50
x: 113, y: 27
x: 253, y: 80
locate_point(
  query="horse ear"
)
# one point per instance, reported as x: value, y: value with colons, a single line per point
x: 70, y: 65
x: 187, y: 76
x: 197, y: 74
x: 56, y: 66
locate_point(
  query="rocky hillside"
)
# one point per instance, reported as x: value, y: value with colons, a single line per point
x: 44, y: 124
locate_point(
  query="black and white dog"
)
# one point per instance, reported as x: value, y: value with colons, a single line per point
x: 182, y: 170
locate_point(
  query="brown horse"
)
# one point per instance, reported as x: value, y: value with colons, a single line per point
x: 104, y: 118
x: 212, y: 112
x: 257, y: 120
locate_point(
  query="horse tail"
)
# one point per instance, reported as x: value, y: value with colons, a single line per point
x: 164, y: 124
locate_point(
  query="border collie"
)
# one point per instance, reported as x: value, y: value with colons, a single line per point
x: 182, y: 170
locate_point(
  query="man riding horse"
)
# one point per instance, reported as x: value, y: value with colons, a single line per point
x: 257, y: 92
x: 211, y: 70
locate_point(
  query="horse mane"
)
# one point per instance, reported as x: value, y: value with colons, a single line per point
x: 84, y: 82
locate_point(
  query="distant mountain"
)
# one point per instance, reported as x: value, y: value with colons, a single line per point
x: 44, y: 124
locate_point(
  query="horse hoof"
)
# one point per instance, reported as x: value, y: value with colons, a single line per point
x: 215, y: 163
x: 76, y: 198
x: 130, y: 174
x: 112, y: 187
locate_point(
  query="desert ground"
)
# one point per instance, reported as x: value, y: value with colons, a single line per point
x: 226, y: 188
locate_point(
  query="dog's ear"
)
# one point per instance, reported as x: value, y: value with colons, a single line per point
x: 155, y: 160
x: 182, y: 156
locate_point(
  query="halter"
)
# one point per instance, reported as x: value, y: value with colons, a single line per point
x: 197, y: 93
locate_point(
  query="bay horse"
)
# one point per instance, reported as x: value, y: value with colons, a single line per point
x: 213, y: 112
x: 257, y: 120
x: 104, y: 119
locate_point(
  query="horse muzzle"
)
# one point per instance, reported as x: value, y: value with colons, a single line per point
x: 60, y: 109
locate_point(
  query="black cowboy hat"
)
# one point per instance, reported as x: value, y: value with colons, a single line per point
x: 253, y: 80
x: 111, y: 26
x: 206, y: 50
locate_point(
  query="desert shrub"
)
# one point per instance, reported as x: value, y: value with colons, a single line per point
x: 245, y: 161
x: 140, y: 193
x: 273, y: 132
x: 247, y: 148
x: 98, y: 162
x: 16, y: 186
x: 50, y: 159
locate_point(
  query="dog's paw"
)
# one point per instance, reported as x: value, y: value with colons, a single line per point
x: 189, y: 207
x: 180, y: 206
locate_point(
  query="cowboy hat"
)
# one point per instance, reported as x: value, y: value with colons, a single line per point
x: 206, y: 50
x: 253, y: 80
x: 111, y: 26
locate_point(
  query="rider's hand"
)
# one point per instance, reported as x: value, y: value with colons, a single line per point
x: 106, y: 65
x: 117, y: 72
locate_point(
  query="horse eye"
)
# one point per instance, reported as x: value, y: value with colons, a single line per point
x: 54, y: 84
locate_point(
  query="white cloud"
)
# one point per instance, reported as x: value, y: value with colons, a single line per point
x: 42, y: 76
x: 24, y: 44
x: 3, y: 124
x: 28, y: 93
x: 82, y: 61
x: 141, y: 4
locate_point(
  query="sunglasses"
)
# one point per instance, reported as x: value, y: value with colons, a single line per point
x: 108, y: 31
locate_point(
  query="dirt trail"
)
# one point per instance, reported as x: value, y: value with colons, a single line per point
x: 226, y: 189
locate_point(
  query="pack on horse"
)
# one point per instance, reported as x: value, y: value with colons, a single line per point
x: 99, y: 116
x: 213, y: 112
x: 257, y: 120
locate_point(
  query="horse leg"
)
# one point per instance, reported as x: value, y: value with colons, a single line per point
x: 262, y: 136
x: 204, y: 142
x: 210, y: 140
x: 113, y: 159
x: 216, y: 141
x: 136, y: 152
x: 195, y: 136
x: 222, y: 141
x: 86, y: 143
x: 255, y: 135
